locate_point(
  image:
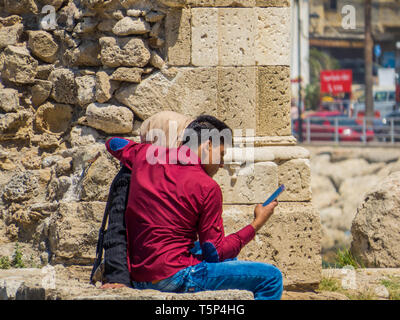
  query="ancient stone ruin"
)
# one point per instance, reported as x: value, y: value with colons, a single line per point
x: 75, y: 72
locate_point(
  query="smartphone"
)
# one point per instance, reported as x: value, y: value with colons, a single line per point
x: 274, y: 195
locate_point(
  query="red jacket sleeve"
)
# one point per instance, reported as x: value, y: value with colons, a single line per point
x: 123, y: 149
x: 217, y: 247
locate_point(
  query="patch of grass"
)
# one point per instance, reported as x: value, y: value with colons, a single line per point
x: 329, y: 284
x: 393, y: 286
x: 5, y: 263
x: 334, y: 285
x: 342, y: 258
x: 17, y: 260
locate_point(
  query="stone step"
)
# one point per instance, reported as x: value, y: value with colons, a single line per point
x: 60, y: 283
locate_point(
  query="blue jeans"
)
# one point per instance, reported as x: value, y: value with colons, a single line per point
x: 263, y: 279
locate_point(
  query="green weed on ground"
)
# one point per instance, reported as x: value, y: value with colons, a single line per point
x: 17, y: 260
x: 393, y: 286
x: 344, y: 257
x: 334, y: 285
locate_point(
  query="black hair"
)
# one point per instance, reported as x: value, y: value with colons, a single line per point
x: 205, y: 127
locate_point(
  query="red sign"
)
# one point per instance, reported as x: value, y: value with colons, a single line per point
x: 336, y: 81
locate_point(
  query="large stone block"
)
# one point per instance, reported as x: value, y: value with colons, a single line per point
x: 252, y: 183
x: 9, y: 100
x: 236, y: 30
x: 43, y: 46
x: 53, y: 118
x: 295, y: 175
x: 109, y: 118
x: 237, y: 96
x: 10, y: 35
x: 290, y: 240
x: 205, y: 37
x: 97, y: 181
x: 19, y: 66
x: 86, y: 89
x: 73, y: 232
x: 64, y: 86
x: 193, y: 91
x: 273, y: 36
x: 273, y: 101
x: 196, y: 90
x: 128, y: 52
x: 178, y: 37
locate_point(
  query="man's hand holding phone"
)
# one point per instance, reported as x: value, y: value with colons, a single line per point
x: 262, y: 214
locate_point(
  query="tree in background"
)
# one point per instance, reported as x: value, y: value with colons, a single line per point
x: 319, y: 61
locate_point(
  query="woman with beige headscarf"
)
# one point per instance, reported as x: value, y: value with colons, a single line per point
x: 165, y: 129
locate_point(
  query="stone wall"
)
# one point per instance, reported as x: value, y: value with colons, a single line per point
x: 107, y: 65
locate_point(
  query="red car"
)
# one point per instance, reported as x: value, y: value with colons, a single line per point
x: 322, y: 128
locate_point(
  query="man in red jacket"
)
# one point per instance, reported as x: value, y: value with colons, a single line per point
x: 173, y: 200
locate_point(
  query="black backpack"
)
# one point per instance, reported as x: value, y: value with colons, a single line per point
x: 113, y: 268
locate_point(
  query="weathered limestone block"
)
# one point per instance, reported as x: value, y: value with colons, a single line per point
x: 196, y: 90
x: 178, y: 37
x: 53, y: 118
x: 21, y: 187
x: 376, y: 226
x: 105, y: 87
x: 192, y: 91
x: 128, y: 52
x: 273, y: 36
x: 205, y: 38
x: 20, y: 7
x: 109, y: 118
x: 83, y: 136
x: 290, y: 240
x: 41, y: 91
x: 156, y: 61
x: 10, y: 35
x: 19, y: 66
x: 64, y: 86
x: 273, y: 118
x: 11, y: 123
x: 252, y: 183
x: 296, y: 176
x: 9, y: 100
x: 236, y: 28
x: 86, y: 55
x: 146, y: 98
x: 237, y: 96
x: 73, y: 232
x: 128, y: 26
x: 127, y: 74
x: 97, y: 181
x: 86, y: 89
x: 43, y: 46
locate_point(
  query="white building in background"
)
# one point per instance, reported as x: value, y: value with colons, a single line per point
x: 301, y: 27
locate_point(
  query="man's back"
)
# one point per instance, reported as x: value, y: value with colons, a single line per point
x: 163, y: 211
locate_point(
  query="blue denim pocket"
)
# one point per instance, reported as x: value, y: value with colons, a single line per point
x: 196, y: 278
